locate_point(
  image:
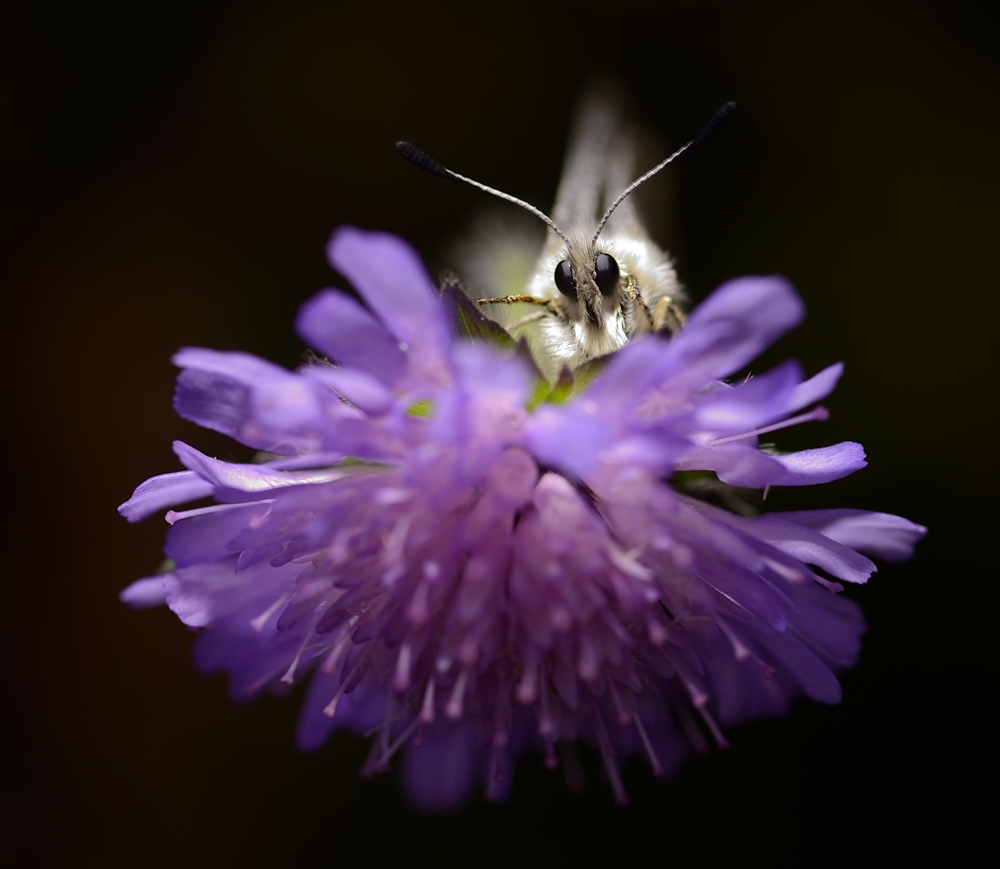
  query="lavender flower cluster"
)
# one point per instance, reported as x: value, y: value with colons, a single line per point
x: 470, y: 564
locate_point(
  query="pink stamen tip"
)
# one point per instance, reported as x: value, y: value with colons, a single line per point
x: 427, y: 709
x: 551, y: 761
x: 401, y: 680
x: 527, y: 694
x: 527, y: 688
x: 455, y: 706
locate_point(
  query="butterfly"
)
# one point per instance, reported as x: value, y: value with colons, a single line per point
x: 600, y: 279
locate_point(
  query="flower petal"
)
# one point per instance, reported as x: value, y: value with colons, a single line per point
x: 811, y: 547
x: 237, y: 482
x: 823, y: 465
x: 882, y: 535
x: 206, y: 593
x: 165, y: 490
x: 259, y: 404
x: 144, y: 593
x: 338, y: 326
x: 388, y: 275
x: 566, y: 441
x: 749, y: 404
x: 203, y: 538
x: 816, y: 387
x: 726, y: 331
x: 361, y: 389
x: 440, y: 775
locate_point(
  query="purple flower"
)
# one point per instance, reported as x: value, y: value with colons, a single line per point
x: 470, y: 568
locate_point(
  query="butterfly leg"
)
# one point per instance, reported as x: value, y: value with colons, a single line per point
x: 642, y: 319
x: 668, y: 317
x: 530, y: 318
x: 516, y: 300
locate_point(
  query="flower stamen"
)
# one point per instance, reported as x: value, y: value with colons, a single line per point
x: 817, y: 414
x: 653, y: 759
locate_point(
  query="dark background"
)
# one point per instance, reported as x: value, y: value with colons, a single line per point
x: 170, y: 175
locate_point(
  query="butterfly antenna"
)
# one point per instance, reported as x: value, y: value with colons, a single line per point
x: 718, y: 119
x: 423, y: 161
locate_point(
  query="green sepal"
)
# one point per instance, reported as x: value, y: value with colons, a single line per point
x: 568, y: 384
x: 589, y: 370
x: 467, y: 321
x: 423, y: 408
x: 564, y: 387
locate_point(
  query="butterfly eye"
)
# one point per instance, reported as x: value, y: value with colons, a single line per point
x: 606, y: 273
x: 565, y: 282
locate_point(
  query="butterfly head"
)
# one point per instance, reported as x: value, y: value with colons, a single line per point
x: 589, y: 282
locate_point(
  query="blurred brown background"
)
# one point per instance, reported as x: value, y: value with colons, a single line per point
x: 171, y: 172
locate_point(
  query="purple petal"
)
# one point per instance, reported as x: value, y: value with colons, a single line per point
x: 653, y: 451
x: 389, y: 276
x: 361, y: 710
x: 361, y: 389
x: 882, y: 535
x: 338, y: 326
x: 206, y: 593
x: 752, y: 403
x: 811, y: 547
x: 730, y: 328
x: 809, y: 467
x: 816, y: 387
x: 440, y: 775
x: 305, y: 462
x: 237, y: 482
x: 739, y: 689
x: 564, y: 440
x: 486, y: 372
x: 314, y: 727
x: 253, y: 658
x: 792, y: 659
x: 243, y: 367
x: 741, y: 464
x: 623, y: 387
x: 203, y: 537
x: 737, y: 464
x: 252, y: 401
x: 830, y: 624
x: 144, y: 593
x: 166, y: 490
x: 748, y: 590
